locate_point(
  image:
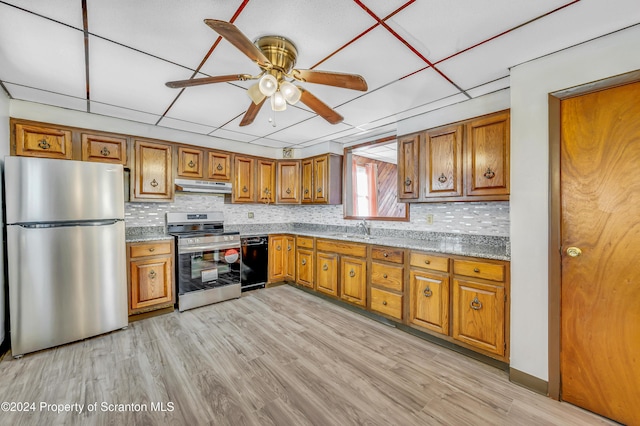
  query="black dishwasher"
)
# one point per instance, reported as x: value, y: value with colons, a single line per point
x: 254, y: 264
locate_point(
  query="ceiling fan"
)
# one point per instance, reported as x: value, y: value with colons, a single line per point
x: 276, y: 57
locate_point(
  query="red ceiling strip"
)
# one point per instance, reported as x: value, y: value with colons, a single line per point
x: 204, y: 60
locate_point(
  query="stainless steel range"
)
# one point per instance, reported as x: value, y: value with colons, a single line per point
x: 207, y: 259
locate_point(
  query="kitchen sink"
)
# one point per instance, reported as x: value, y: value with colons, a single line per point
x: 351, y: 236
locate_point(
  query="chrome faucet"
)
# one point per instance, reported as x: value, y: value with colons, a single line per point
x: 364, y: 226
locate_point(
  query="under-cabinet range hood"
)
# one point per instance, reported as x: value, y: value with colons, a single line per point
x: 203, y: 186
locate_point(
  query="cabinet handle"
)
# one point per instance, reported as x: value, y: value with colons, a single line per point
x: 384, y: 276
x: 288, y: 248
x: 288, y: 191
x: 152, y: 249
x: 191, y: 164
x: 267, y: 192
x: 245, y: 189
x: 278, y: 248
x: 427, y: 292
x: 44, y: 144
x: 319, y: 189
x: 304, y: 262
x: 476, y: 304
x: 384, y: 302
x: 407, y: 181
x: 442, y: 178
x: 426, y: 262
x: 476, y: 270
x: 386, y: 255
x: 352, y: 273
x: 306, y: 191
x: 489, y: 174
x: 325, y: 267
x: 219, y: 167
x: 154, y: 183
x: 105, y: 151
x: 152, y: 274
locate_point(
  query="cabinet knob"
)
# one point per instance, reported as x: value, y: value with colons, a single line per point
x: 245, y: 189
x: 288, y: 248
x: 407, y: 181
x: 288, y: 191
x: 476, y: 304
x: 489, y: 174
x: 219, y: 167
x: 278, y: 248
x: 384, y: 302
x: 386, y: 255
x: 306, y: 191
x: 154, y: 183
x: 352, y: 273
x: 152, y: 249
x: 476, y: 270
x: 105, y: 151
x: 152, y: 274
x: 325, y: 267
x: 427, y: 292
x: 442, y: 178
x: 384, y: 276
x: 191, y: 164
x: 319, y: 189
x: 574, y: 251
x: 427, y: 261
x: 304, y: 262
x: 44, y: 144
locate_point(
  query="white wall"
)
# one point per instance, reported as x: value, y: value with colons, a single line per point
x: 530, y: 85
x: 4, y: 150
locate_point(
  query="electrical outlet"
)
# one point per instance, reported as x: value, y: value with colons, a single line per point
x: 429, y: 219
x: 250, y: 215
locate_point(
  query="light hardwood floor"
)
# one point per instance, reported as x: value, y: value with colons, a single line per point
x: 277, y: 356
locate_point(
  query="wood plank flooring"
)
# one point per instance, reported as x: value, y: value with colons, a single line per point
x: 277, y: 356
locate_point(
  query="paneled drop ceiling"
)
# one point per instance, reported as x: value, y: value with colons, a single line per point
x: 113, y: 57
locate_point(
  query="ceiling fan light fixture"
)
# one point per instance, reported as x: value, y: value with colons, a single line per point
x: 268, y: 84
x: 290, y: 92
x: 255, y: 94
x: 278, y: 102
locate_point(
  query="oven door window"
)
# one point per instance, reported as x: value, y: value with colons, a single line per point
x: 208, y: 269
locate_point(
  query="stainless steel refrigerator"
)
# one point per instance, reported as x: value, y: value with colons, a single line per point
x: 65, y: 251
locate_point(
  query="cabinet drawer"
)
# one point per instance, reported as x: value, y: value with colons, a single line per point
x: 388, y: 254
x: 387, y: 276
x: 342, y: 247
x: 150, y: 249
x: 429, y: 261
x: 487, y: 271
x: 386, y: 303
x: 306, y: 242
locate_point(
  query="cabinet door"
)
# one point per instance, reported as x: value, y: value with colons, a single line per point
x: 478, y: 315
x: 243, y: 187
x: 190, y: 162
x: 290, y: 258
x: 443, y: 159
x: 487, y: 155
x: 151, y: 282
x: 321, y: 179
x: 307, y: 181
x: 47, y: 142
x: 288, y: 182
x: 429, y: 301
x: 408, y: 167
x: 153, y: 177
x: 276, y: 258
x: 353, y: 280
x: 266, y: 181
x: 219, y: 166
x: 304, y: 267
x: 104, y: 149
x: 327, y: 273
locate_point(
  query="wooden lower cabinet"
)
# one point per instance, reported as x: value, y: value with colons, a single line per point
x: 386, y: 302
x: 327, y: 273
x: 429, y: 300
x: 353, y: 280
x: 151, y: 276
x: 281, y: 258
x: 304, y: 267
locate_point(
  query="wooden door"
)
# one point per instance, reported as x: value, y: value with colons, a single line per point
x: 600, y: 290
x: 290, y: 258
x: 243, y: 187
x: 353, y: 280
x: 321, y: 179
x: 153, y: 173
x: 487, y: 155
x: 288, y: 179
x: 443, y: 159
x: 408, y: 167
x: 104, y: 149
x: 327, y: 273
x: 276, y: 258
x: 47, y: 142
x: 307, y: 181
x: 266, y: 184
x: 219, y: 166
x: 190, y: 162
x: 151, y: 282
x: 429, y: 300
x: 304, y: 267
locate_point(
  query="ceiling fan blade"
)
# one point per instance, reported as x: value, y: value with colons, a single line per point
x: 251, y: 113
x: 207, y: 80
x: 319, y: 107
x: 337, y: 79
x: 234, y: 36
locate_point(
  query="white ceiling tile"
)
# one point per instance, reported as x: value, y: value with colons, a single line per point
x: 233, y: 135
x: 316, y: 128
x: 499, y: 84
x: 261, y: 125
x: 382, y: 8
x: 271, y: 143
x: 51, y: 57
x: 65, y: 11
x: 185, y: 125
x: 120, y: 76
x: 124, y: 113
x: 45, y: 97
x: 432, y: 106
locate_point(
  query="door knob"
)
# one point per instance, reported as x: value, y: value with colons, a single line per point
x: 574, y: 251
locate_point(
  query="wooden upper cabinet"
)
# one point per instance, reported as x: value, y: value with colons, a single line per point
x: 408, y: 167
x: 487, y: 155
x: 190, y: 162
x: 266, y: 184
x: 46, y: 142
x: 104, y: 149
x: 322, y: 179
x: 307, y: 180
x: 243, y: 187
x: 443, y: 159
x: 288, y: 190
x: 153, y: 172
x: 219, y: 166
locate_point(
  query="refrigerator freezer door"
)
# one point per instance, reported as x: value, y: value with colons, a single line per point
x: 65, y: 284
x: 41, y: 190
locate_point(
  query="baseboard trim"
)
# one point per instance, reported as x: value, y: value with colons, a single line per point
x: 528, y: 381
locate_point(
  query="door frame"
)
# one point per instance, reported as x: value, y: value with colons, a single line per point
x: 555, y: 216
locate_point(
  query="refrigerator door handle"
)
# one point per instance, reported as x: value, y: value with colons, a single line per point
x: 67, y: 224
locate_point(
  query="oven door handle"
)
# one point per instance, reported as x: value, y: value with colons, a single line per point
x: 261, y: 243
x: 195, y: 249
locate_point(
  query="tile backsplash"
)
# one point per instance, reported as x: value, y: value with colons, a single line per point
x: 476, y: 218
